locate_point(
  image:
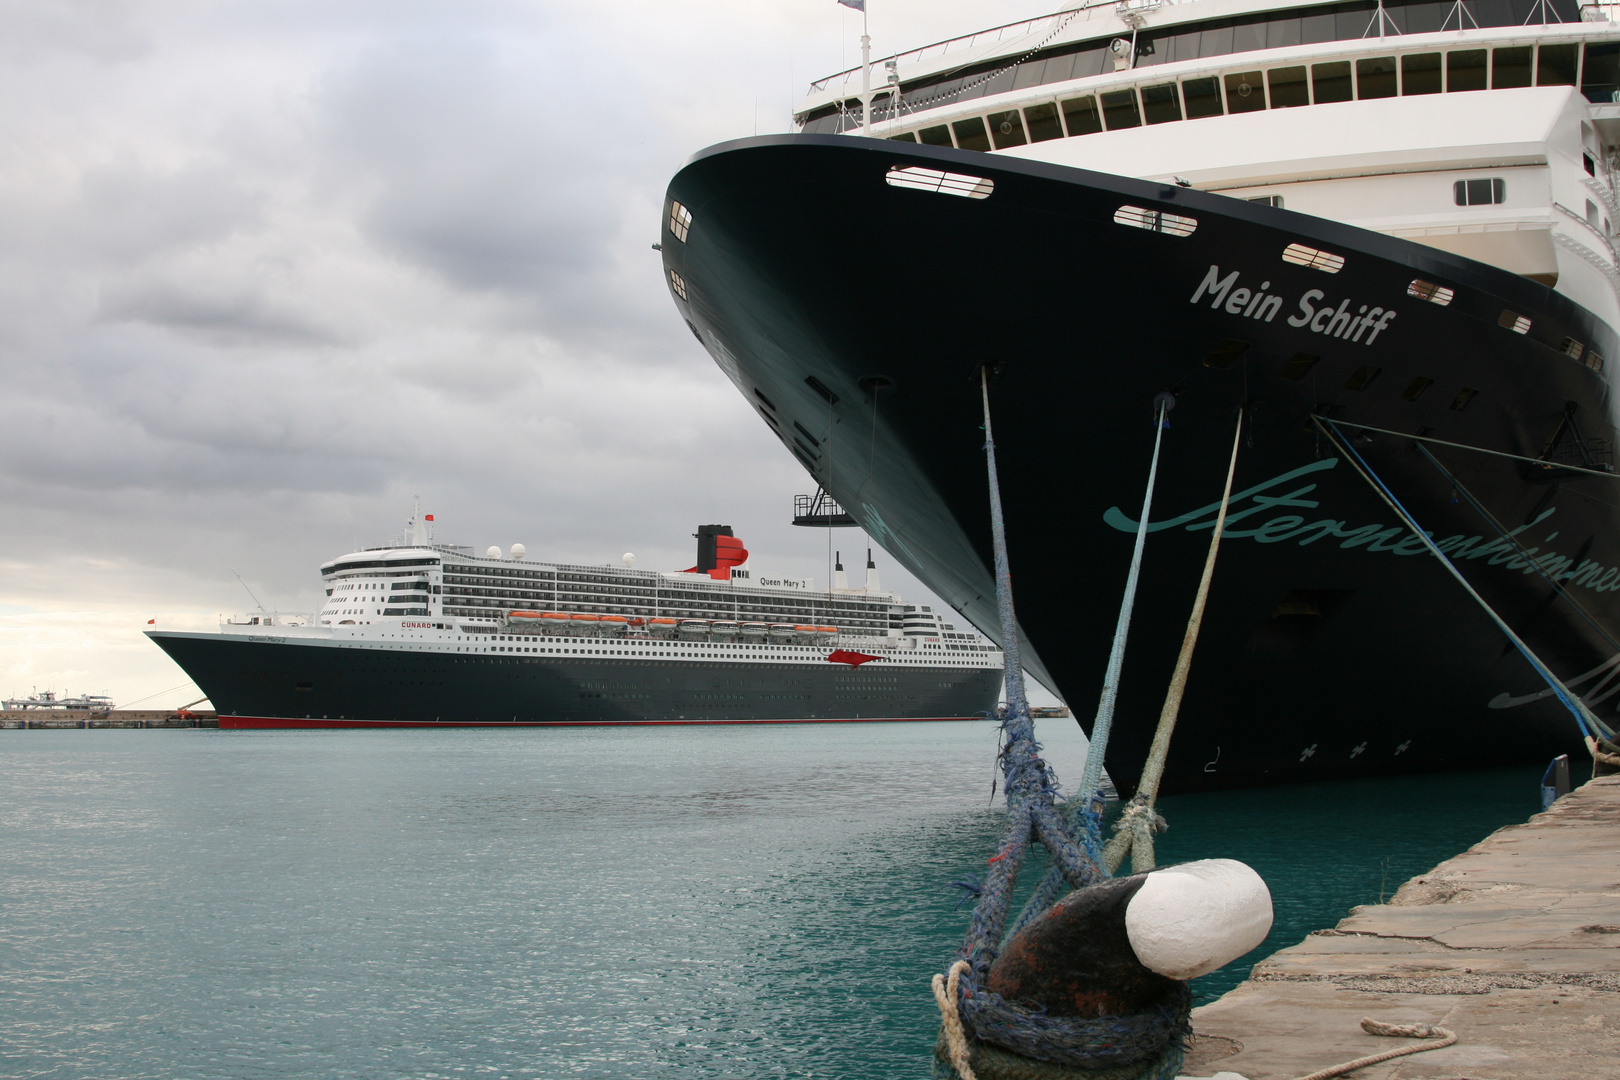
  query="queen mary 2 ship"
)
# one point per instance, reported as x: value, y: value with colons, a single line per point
x: 419, y: 634
x: 1394, y: 217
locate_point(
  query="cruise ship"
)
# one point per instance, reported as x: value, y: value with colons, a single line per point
x: 424, y: 634
x: 1374, y: 229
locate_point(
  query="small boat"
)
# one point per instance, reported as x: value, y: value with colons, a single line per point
x: 755, y: 631
x: 694, y: 627
x: 661, y: 628
x: 726, y: 628
x: 826, y: 634
x: 781, y: 631
x: 554, y: 622
x: 524, y: 620
x: 612, y: 624
x: 806, y: 633
x: 582, y: 624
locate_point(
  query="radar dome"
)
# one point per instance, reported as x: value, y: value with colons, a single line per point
x: 518, y: 551
x: 493, y: 552
x: 630, y: 559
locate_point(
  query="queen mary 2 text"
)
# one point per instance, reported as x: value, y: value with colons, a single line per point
x: 1313, y: 311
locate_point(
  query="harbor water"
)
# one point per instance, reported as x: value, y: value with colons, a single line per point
x: 691, y: 902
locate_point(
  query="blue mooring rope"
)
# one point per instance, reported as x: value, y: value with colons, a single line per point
x: 1154, y: 1039
x: 1577, y: 708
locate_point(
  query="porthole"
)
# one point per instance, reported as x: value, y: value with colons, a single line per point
x: 1514, y: 322
x: 1428, y: 290
x: 680, y: 220
x: 1155, y: 221
x: 1325, y: 261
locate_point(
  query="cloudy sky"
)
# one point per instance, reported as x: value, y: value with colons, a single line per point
x: 271, y: 269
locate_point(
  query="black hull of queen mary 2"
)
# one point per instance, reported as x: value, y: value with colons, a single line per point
x: 854, y: 315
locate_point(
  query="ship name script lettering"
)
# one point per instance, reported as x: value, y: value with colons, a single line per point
x: 1314, y: 310
x: 1510, y: 554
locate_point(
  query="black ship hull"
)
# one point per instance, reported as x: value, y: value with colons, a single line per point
x: 854, y: 316
x: 256, y: 682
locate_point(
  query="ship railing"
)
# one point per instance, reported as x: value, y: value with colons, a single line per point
x: 820, y: 511
x: 1009, y: 33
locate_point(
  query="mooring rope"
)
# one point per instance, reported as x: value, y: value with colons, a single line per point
x: 1512, y: 538
x: 1148, y: 1044
x: 945, y: 990
x: 1135, y: 830
x: 1104, y: 722
x: 1583, y: 716
x: 1442, y: 1036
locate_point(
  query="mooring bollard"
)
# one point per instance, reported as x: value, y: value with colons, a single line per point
x: 1555, y: 781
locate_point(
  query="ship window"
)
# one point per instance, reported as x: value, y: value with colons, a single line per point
x: 1415, y: 388
x: 935, y: 136
x: 1202, y: 98
x: 1161, y: 104
x: 1267, y: 200
x: 677, y: 283
x: 1556, y: 66
x: 945, y: 183
x: 1464, y: 396
x: 1589, y: 163
x: 904, y: 136
x: 1362, y: 378
x: 1572, y: 348
x: 1375, y: 77
x: 1081, y: 116
x: 1513, y: 321
x: 1331, y: 82
x: 1155, y: 221
x: 1300, y: 255
x: 1244, y: 92
x: 1007, y: 128
x: 1481, y: 192
x: 1042, y: 122
x: 1288, y: 87
x: 1120, y: 111
x: 970, y: 134
x: 1465, y: 70
x: 1600, y: 77
x: 765, y: 399
x: 680, y: 220
x: 1420, y: 73
x: 1510, y: 67
x: 1428, y: 290
x: 1594, y: 360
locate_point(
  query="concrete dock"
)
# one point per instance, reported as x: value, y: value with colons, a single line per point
x: 1514, y: 945
x: 50, y: 719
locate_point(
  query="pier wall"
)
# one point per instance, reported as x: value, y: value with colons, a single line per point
x: 30, y: 719
x: 1514, y: 945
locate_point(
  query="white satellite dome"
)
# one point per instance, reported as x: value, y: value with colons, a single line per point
x: 493, y: 552
x: 630, y: 559
x: 518, y: 551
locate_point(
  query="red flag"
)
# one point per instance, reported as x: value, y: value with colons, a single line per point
x: 853, y: 659
x: 151, y: 622
x: 427, y: 517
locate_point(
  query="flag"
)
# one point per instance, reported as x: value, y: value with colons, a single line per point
x: 858, y: 5
x: 151, y: 622
x: 427, y: 517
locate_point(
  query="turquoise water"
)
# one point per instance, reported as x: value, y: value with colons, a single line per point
x: 690, y: 902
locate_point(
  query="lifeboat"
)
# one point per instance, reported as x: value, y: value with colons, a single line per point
x: 825, y: 634
x: 805, y: 633
x: 724, y: 628
x: 694, y: 627
x: 781, y: 631
x: 612, y: 624
x: 582, y: 624
x: 754, y: 631
x: 523, y: 620
x: 661, y: 627
x: 554, y: 622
